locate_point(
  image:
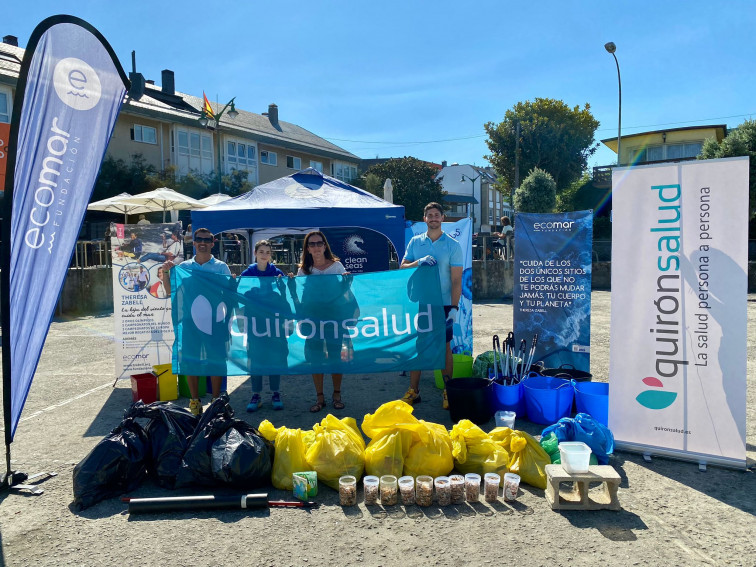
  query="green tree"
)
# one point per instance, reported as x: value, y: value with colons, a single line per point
x: 573, y: 197
x: 553, y: 137
x: 116, y: 177
x: 536, y: 194
x: 739, y: 142
x: 414, y: 183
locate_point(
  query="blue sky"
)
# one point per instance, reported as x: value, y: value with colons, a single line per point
x: 391, y: 79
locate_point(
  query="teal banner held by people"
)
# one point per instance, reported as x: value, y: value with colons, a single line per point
x: 378, y: 322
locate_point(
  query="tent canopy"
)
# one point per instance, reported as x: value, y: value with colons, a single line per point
x: 306, y: 198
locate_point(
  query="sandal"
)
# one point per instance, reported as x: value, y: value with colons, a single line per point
x: 337, y: 404
x: 321, y: 403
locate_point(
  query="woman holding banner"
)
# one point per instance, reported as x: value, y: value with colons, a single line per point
x: 317, y: 305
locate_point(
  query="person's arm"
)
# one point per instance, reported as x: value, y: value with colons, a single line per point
x: 167, y: 276
x: 409, y: 260
x: 456, y: 290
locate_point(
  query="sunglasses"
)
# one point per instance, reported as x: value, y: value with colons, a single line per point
x: 207, y: 239
x: 316, y: 244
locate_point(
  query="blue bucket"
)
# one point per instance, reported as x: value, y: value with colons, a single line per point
x: 508, y: 398
x: 593, y: 398
x: 547, y: 399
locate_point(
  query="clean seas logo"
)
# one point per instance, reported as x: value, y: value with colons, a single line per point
x: 77, y: 84
x: 353, y: 245
x: 655, y: 399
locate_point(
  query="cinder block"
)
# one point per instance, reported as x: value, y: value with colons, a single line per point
x: 580, y: 498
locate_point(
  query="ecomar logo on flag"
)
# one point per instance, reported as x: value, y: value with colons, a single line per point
x: 208, y: 109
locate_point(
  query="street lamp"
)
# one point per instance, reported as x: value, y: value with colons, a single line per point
x: 203, y: 121
x: 473, y: 180
x: 611, y: 48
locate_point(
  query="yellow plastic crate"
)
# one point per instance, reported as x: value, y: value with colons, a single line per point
x: 167, y: 382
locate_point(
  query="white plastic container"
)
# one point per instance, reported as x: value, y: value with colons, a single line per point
x: 505, y: 419
x: 575, y: 456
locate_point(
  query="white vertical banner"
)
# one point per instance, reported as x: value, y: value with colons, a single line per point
x: 143, y: 325
x: 677, y: 367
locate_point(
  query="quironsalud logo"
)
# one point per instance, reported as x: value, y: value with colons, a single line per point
x: 202, y: 314
x: 77, y: 84
x: 655, y: 399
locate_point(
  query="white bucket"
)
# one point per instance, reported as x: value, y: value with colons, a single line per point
x: 575, y: 456
x: 505, y: 419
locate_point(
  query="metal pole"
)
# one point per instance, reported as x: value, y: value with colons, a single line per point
x: 619, y: 123
x: 217, y: 129
x: 517, y: 168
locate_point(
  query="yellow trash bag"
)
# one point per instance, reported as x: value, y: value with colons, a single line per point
x: 475, y: 452
x: 386, y: 454
x: 391, y: 416
x: 425, y: 447
x: 337, y: 449
x: 431, y: 451
x: 289, y: 453
x: 528, y: 457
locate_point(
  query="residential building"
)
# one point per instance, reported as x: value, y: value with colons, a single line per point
x: 658, y: 146
x: 471, y: 192
x: 162, y: 124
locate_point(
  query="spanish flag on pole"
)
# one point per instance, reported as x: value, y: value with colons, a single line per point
x: 208, y: 109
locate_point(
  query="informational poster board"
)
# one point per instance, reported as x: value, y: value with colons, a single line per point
x: 143, y: 326
x: 461, y: 231
x: 552, y: 286
x: 678, y: 329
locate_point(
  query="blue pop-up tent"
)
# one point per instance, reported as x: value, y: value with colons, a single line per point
x: 305, y: 199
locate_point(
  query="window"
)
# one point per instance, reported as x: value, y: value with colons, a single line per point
x: 293, y: 162
x: 654, y: 153
x: 5, y: 106
x: 241, y: 156
x: 194, y: 152
x: 692, y: 149
x: 145, y: 134
x: 343, y: 171
x: 317, y: 165
x: 268, y: 158
x: 669, y: 152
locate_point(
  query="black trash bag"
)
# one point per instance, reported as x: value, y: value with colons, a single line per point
x: 117, y: 464
x: 169, y: 431
x: 226, y: 451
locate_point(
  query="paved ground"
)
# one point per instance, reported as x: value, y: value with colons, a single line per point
x: 672, y: 513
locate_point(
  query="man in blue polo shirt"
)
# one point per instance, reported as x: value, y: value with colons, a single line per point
x: 215, y: 343
x: 435, y: 247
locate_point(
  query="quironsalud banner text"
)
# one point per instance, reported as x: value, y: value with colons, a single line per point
x: 376, y: 322
x: 552, y: 287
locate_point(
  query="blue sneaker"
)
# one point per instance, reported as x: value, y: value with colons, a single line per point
x: 255, y: 403
x: 276, y: 399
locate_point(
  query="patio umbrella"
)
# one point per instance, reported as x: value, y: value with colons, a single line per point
x: 165, y: 199
x: 118, y: 204
x: 215, y: 199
